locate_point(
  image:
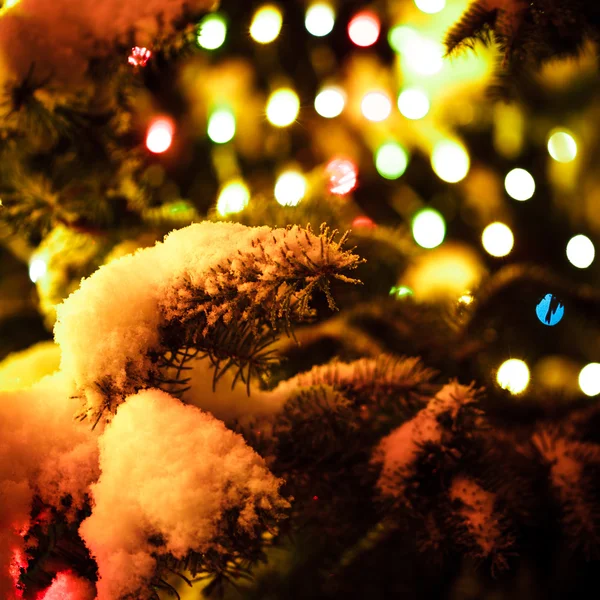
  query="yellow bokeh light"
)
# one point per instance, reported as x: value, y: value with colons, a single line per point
x: 497, y: 239
x: 430, y: 6
x: 519, y: 184
x: 466, y: 299
x: 376, y: 106
x: 234, y: 197
x: 221, y: 126
x: 450, y: 161
x: 320, y: 19
x: 37, y: 269
x: 423, y: 56
x: 513, y: 375
x: 330, y: 102
x: 589, y: 379
x: 413, y: 103
x: 266, y: 24
x: 428, y: 228
x: 562, y: 146
x: 290, y: 188
x: 283, y: 107
x: 581, y: 251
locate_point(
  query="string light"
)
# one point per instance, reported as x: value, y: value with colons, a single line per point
x: 320, y: 19
x: 428, y: 228
x: 562, y: 146
x: 342, y: 175
x: 330, y: 102
x: 290, y: 188
x: 513, y: 375
x: 160, y: 135
x: 37, y: 269
x: 266, y: 24
x: 589, y: 379
x: 364, y: 29
x: 413, y: 104
x: 497, y: 239
x: 450, y: 161
x: 212, y: 31
x: 430, y: 6
x: 519, y: 184
x: 391, y: 160
x: 283, y: 107
x: 581, y: 251
x: 139, y: 56
x: 233, y: 198
x: 376, y: 106
x: 221, y: 126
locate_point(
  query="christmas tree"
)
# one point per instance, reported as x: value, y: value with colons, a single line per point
x: 298, y: 299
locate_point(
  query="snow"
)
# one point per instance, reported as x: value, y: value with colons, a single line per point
x: 22, y: 369
x: 68, y: 586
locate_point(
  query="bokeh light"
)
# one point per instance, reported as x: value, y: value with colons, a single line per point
x: 428, y: 228
x: 513, y: 375
x: 221, y: 126
x: 233, y: 198
x: 422, y: 55
x: 519, y: 184
x: 589, y: 379
x: 550, y: 310
x: 320, y: 19
x: 581, y: 251
x: 450, y: 161
x: 430, y: 6
x: 160, y: 135
x: 466, y: 299
x: 330, y: 102
x: 364, y: 29
x: 212, y: 31
x: 413, y: 103
x: 37, y: 269
x: 283, y: 106
x: 401, y: 291
x: 342, y: 176
x: 266, y: 24
x: 363, y: 221
x: 562, y: 146
x: 376, y: 106
x: 401, y: 37
x: 497, y: 239
x: 290, y: 188
x: 391, y: 160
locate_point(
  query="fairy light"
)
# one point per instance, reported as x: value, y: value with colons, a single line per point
x: 139, y: 56
x: 413, y: 103
x: 376, y: 106
x: 562, y: 146
x: 266, y: 24
x: 290, y: 188
x: 423, y: 56
x: 160, y: 135
x: 401, y: 37
x: 364, y: 29
x: 283, y: 107
x: 428, y: 228
x: 212, y: 31
x: 513, y: 375
x: 497, y: 239
x: 581, y: 251
x: 221, y: 126
x: 450, y: 161
x: 466, y: 299
x: 391, y: 160
x: 430, y: 6
x: 589, y: 379
x: 37, y: 269
x: 320, y: 19
x: 342, y: 176
x: 330, y: 102
x: 233, y: 198
x: 519, y: 184
x: 401, y: 291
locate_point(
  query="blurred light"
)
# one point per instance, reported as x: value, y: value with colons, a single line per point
x: 139, y: 56
x: 363, y: 221
x: 519, y: 184
x: 10, y: 3
x: 320, y: 19
x: 513, y: 375
x: 466, y: 299
x: 581, y: 251
x: 376, y: 106
x: 562, y: 146
x: 401, y: 37
x: 401, y: 291
x: 234, y: 197
x: 450, y: 161
x: 160, y: 135
x: 430, y: 6
x: 330, y: 102
x: 424, y: 56
x: 549, y: 310
x: 290, y: 188
x: 364, y: 28
x: 497, y: 239
x: 266, y: 24
x: 428, y: 228
x: 343, y: 176
x: 413, y: 104
x: 221, y: 126
x: 589, y: 379
x: 391, y: 160
x: 37, y: 269
x: 212, y: 31
x: 282, y: 107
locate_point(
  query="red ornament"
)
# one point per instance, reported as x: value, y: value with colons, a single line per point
x: 342, y: 174
x: 139, y: 56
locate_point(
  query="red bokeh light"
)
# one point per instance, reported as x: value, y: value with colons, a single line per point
x: 364, y: 29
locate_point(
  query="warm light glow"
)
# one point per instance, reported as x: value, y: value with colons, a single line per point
x: 139, y: 56
x: 497, y: 239
x: 428, y: 228
x: 581, y: 251
x: 430, y: 6
x: 10, y: 3
x: 466, y: 299
x: 589, y: 379
x: 363, y: 221
x: 290, y: 188
x: 513, y: 375
x: 364, y: 28
x: 424, y: 56
x: 160, y: 135
x: 519, y: 184
x: 221, y: 126
x: 391, y: 160
x: 413, y: 104
x: 266, y: 24
x: 562, y: 146
x: 401, y: 37
x: 401, y: 291
x: 234, y: 197
x: 283, y: 107
x: 450, y: 161
x: 343, y: 176
x: 320, y: 19
x: 37, y: 269
x: 212, y: 31
x: 330, y: 102
x: 376, y: 106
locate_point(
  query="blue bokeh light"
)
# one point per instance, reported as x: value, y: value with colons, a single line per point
x: 549, y: 310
